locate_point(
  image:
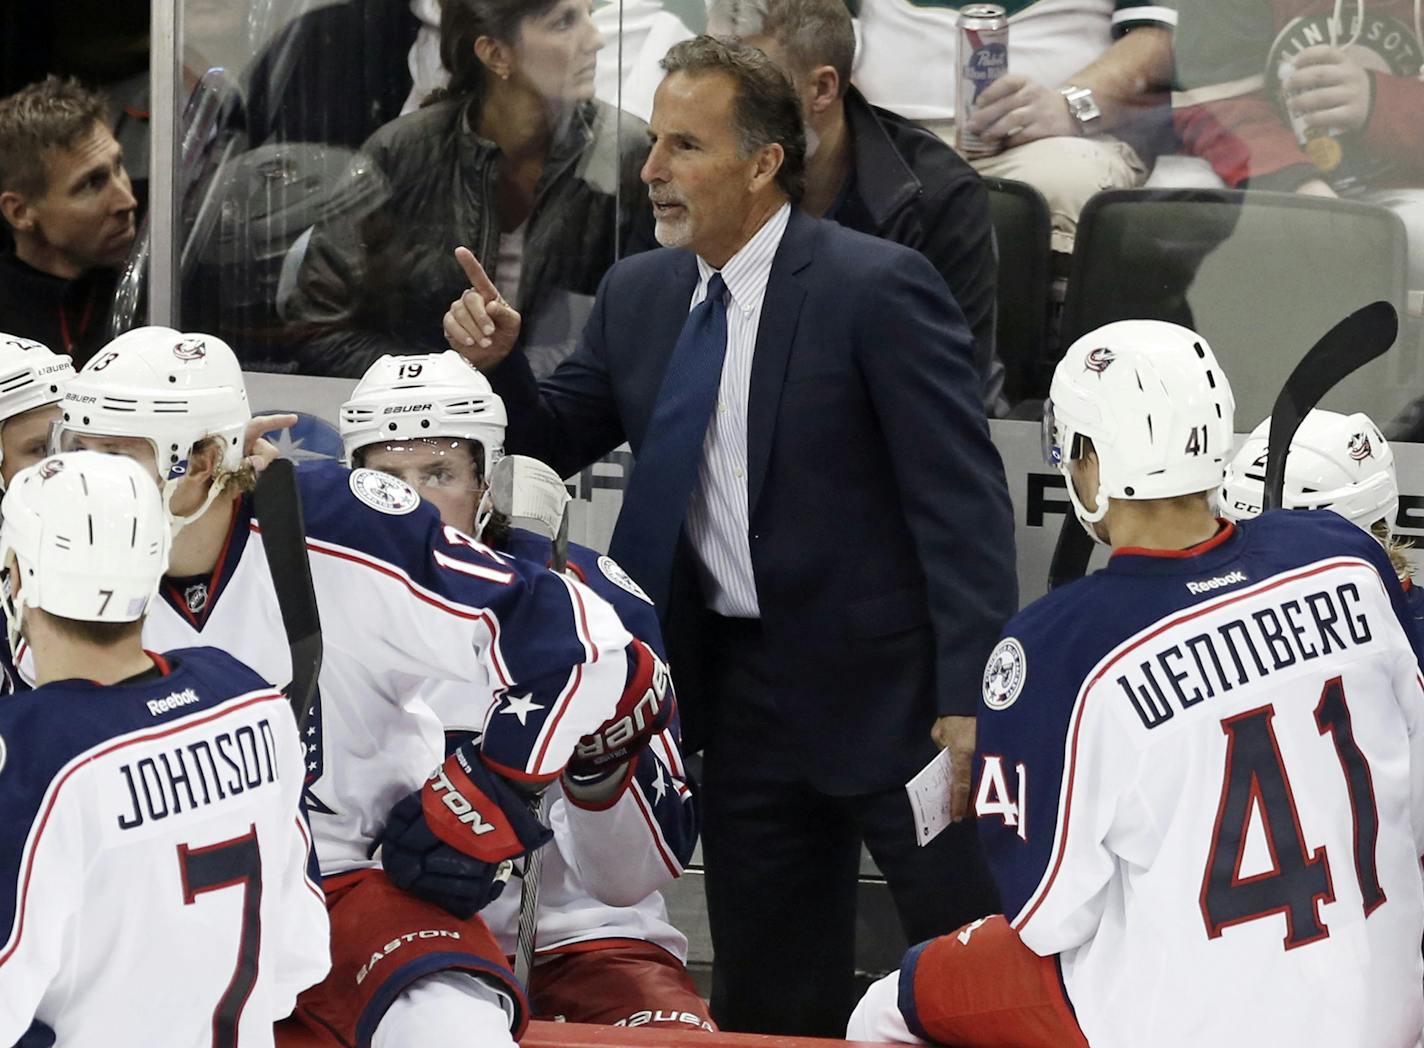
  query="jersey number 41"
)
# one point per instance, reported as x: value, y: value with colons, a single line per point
x: 1256, y: 783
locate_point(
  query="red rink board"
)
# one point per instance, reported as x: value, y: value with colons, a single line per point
x: 580, y: 1035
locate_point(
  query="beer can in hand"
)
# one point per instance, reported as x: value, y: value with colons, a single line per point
x: 982, y: 56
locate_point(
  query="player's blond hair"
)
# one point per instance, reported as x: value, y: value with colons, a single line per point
x: 243, y: 479
x: 1396, y: 547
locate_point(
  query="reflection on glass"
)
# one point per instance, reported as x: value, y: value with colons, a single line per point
x: 514, y: 159
x: 319, y: 228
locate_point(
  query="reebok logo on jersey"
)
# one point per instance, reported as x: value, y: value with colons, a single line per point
x: 186, y: 697
x: 1207, y: 585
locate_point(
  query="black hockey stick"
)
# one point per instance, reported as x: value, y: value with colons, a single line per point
x: 278, y: 505
x: 1364, y: 335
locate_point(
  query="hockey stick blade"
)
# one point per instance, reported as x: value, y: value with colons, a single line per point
x: 278, y: 505
x: 1360, y: 338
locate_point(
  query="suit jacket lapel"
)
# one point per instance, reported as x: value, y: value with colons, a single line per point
x: 776, y: 330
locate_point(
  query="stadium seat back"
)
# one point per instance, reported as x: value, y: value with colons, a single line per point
x: 1260, y: 275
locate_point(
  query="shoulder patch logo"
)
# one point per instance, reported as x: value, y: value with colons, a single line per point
x: 620, y: 578
x: 1004, y: 674
x: 383, y: 492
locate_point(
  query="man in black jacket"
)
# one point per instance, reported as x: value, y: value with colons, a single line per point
x: 873, y: 171
x: 68, y: 202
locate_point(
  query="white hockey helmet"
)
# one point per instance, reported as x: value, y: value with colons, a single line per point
x: 1338, y: 462
x: 89, y: 537
x: 31, y: 376
x: 424, y: 395
x: 1156, y: 405
x: 166, y: 387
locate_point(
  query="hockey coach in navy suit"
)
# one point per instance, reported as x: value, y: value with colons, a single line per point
x: 816, y: 508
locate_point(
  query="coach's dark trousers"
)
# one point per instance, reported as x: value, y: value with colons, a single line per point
x: 782, y: 859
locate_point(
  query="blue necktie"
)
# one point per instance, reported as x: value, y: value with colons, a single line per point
x: 655, y: 503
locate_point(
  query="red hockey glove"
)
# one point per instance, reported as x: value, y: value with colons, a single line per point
x: 644, y: 709
x: 449, y: 841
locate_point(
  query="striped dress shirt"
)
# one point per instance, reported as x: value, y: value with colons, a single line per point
x: 717, y: 515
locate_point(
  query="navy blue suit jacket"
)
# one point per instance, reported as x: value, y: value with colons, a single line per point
x: 881, y: 530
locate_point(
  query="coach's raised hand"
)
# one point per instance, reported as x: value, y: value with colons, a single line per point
x: 480, y: 325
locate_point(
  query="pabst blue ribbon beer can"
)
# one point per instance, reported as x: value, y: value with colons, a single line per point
x: 982, y: 57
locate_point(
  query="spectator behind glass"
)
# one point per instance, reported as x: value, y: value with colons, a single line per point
x: 1346, y: 74
x: 643, y: 31
x: 871, y: 170
x: 66, y: 199
x: 1117, y: 49
x: 516, y: 159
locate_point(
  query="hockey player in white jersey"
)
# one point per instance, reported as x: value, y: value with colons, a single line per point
x: 403, y: 601
x: 156, y: 872
x: 1200, y: 770
x: 623, y: 814
x: 1336, y: 462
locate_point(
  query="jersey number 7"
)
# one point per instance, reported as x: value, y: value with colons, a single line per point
x: 230, y: 864
x: 1298, y: 880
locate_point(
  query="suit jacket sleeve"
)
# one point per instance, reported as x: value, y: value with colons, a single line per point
x: 959, y: 242
x: 570, y: 419
x: 916, y: 355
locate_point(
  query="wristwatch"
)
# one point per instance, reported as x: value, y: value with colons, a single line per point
x: 1083, y: 107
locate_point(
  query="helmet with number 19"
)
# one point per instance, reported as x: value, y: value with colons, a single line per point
x: 420, y: 396
x: 1156, y: 407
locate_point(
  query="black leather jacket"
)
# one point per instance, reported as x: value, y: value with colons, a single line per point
x: 380, y: 271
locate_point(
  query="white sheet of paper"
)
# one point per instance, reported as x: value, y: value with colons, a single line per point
x: 929, y: 797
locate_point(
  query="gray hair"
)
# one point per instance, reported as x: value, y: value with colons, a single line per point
x: 766, y: 110
x: 811, y: 32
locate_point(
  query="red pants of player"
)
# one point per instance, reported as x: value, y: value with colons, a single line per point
x: 981, y: 987
x: 382, y: 940
x: 620, y: 982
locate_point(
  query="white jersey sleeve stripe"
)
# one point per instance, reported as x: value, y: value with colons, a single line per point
x: 664, y: 852
x: 503, y: 578
x: 546, y: 734
x: 1060, y: 839
x: 233, y: 705
x: 590, y: 652
x: 306, y: 836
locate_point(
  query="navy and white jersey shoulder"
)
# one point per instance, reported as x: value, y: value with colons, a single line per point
x: 1083, y: 636
x: 602, y: 574
x: 162, y: 791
